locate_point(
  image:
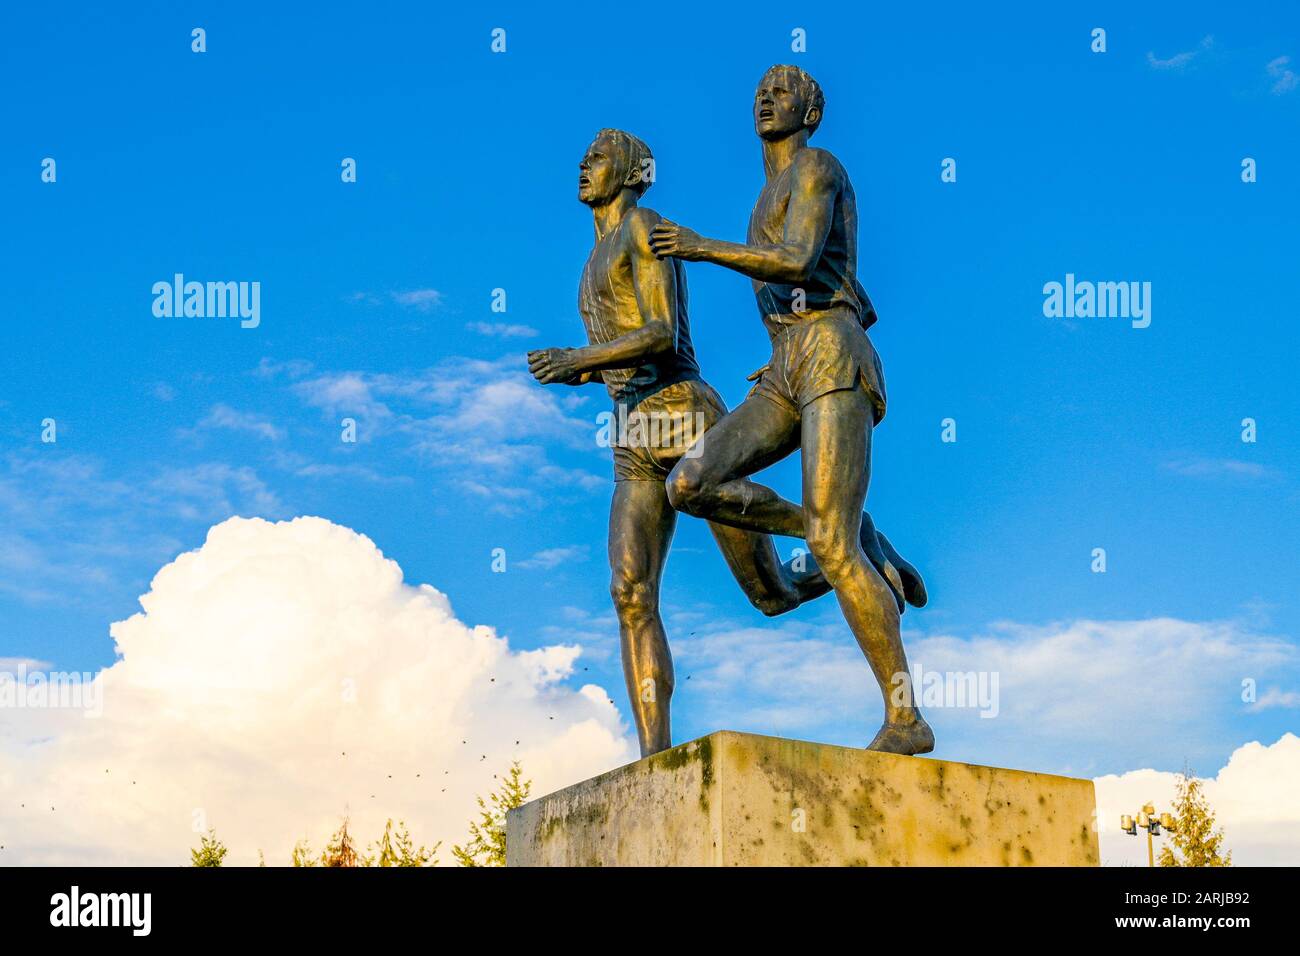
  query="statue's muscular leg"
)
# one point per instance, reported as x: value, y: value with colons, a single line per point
x: 712, y: 483
x: 770, y: 587
x: 835, y: 433
x: 836, y: 443
x: 751, y: 555
x: 641, y: 524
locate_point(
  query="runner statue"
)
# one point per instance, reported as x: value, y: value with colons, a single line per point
x: 823, y: 391
x: 634, y: 306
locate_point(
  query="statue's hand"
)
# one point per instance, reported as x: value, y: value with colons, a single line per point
x: 552, y: 366
x: 669, y: 239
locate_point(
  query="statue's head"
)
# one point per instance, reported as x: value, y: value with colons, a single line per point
x: 787, y: 100
x: 615, y: 160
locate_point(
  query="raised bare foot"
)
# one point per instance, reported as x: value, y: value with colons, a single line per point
x: 913, y: 587
x: 776, y: 606
x: 906, y: 739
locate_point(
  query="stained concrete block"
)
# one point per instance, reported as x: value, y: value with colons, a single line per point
x: 732, y: 799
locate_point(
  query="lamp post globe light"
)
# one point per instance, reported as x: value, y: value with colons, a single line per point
x: 1146, y: 819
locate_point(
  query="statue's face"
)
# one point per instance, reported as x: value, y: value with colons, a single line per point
x: 779, y: 109
x: 599, y: 176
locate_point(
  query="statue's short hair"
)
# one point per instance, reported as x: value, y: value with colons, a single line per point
x: 810, y: 89
x: 634, y: 156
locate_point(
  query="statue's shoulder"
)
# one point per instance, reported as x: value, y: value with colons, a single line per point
x: 820, y: 165
x: 637, y: 225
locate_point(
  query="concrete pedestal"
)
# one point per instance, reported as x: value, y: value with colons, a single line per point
x: 732, y: 799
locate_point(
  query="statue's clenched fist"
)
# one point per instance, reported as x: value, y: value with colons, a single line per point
x: 552, y: 366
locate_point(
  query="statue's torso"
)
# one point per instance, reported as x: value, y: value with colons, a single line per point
x: 608, y: 305
x: 833, y: 288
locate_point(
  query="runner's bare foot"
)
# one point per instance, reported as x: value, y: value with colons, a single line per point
x: 913, y: 585
x: 906, y: 739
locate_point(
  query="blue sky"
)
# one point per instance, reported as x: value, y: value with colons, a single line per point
x: 375, y: 304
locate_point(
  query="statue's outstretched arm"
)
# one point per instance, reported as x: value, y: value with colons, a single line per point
x: 807, y: 223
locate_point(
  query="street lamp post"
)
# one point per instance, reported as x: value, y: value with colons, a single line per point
x: 1147, y: 820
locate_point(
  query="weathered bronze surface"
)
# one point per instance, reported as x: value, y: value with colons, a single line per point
x: 633, y: 302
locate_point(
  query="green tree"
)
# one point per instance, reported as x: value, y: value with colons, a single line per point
x: 396, y: 848
x: 341, y: 851
x: 302, y: 855
x: 487, y: 835
x: 1197, y: 840
x: 210, y: 852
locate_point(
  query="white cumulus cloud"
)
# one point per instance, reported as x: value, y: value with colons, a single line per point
x: 1253, y: 798
x: 276, y: 678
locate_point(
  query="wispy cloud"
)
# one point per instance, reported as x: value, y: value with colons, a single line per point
x: 17, y: 665
x: 486, y: 421
x: 214, y: 491
x: 1220, y: 468
x: 1276, y: 697
x: 75, y: 530
x: 1284, y: 79
x: 558, y: 476
x: 502, y: 330
x: 273, y: 368
x: 353, y: 394
x: 550, y: 558
x: 350, y: 472
x: 596, y: 633
x: 223, y: 417
x: 1179, y: 60
x: 423, y: 299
